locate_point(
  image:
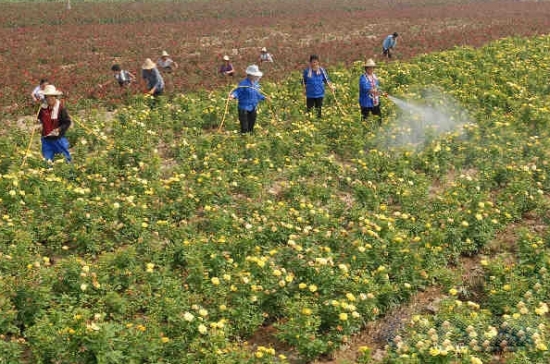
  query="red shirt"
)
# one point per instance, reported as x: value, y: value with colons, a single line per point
x: 48, y: 122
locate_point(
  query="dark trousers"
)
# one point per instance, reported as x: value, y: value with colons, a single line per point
x: 314, y: 102
x: 365, y: 111
x: 247, y: 120
x: 386, y: 52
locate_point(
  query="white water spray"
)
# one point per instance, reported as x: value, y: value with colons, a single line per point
x: 418, y: 123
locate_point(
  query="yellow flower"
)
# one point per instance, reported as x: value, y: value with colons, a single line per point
x: 434, y: 351
x: 203, y: 329
x: 215, y: 281
x: 343, y: 316
x: 165, y: 339
x: 541, y: 346
x: 302, y: 285
x: 306, y: 311
x: 453, y: 292
x: 475, y: 360
x: 149, y: 267
x: 312, y: 288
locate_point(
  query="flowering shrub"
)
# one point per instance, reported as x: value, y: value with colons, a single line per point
x: 168, y: 240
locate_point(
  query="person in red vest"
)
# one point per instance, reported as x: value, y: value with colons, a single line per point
x: 55, y: 121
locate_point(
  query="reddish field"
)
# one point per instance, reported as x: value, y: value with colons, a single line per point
x: 75, y: 48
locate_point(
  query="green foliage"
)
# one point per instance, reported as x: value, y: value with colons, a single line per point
x: 168, y: 232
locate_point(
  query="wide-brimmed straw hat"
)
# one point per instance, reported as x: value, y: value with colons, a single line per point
x: 50, y: 90
x: 253, y: 70
x: 370, y: 63
x: 264, y: 49
x: 148, y: 64
x: 165, y: 54
x: 226, y: 58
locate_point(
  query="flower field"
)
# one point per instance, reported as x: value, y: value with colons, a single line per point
x: 75, y: 49
x: 170, y: 241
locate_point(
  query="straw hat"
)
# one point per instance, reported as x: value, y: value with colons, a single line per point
x: 370, y: 63
x: 165, y: 54
x: 253, y: 70
x: 264, y: 49
x: 148, y: 64
x: 50, y: 90
x: 226, y: 58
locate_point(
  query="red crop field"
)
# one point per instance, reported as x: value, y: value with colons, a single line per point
x: 75, y: 48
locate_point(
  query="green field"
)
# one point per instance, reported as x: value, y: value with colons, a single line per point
x: 173, y: 241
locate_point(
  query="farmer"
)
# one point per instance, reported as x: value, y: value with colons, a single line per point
x: 389, y: 43
x: 314, y: 79
x: 248, y: 94
x: 55, y: 121
x: 123, y: 77
x: 369, y: 94
x: 36, y: 94
x: 264, y: 56
x: 152, y: 77
x: 226, y: 69
x: 165, y: 63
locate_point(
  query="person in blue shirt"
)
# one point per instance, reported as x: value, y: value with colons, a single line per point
x: 152, y: 77
x: 389, y: 43
x: 369, y: 93
x: 248, y: 95
x: 314, y: 79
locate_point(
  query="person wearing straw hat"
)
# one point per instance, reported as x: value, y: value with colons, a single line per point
x: 265, y: 56
x: 165, y: 63
x: 314, y: 79
x: 248, y: 94
x: 388, y: 44
x: 55, y: 121
x: 152, y: 77
x: 226, y: 69
x: 369, y: 94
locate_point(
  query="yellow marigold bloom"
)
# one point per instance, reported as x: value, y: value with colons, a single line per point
x: 188, y: 316
x: 165, y: 339
x: 541, y: 346
x: 203, y: 312
x: 215, y: 281
x: 149, y: 267
x: 350, y: 297
x: 277, y: 273
x: 312, y: 288
x: 453, y: 292
x: 343, y: 316
x: 475, y: 360
x: 434, y: 351
x: 203, y: 329
x: 306, y: 311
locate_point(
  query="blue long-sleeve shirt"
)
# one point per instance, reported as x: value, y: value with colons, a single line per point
x: 248, y: 94
x: 315, y: 82
x: 153, y: 79
x: 389, y: 42
x: 365, y: 86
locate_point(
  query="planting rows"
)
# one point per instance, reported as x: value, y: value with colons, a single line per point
x: 76, y: 48
x: 169, y: 241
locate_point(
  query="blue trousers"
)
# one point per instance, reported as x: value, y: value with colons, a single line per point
x: 51, y: 147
